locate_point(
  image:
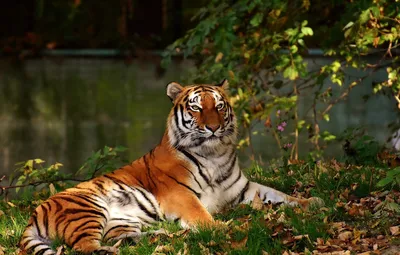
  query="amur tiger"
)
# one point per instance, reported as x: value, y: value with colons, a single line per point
x: 192, y: 173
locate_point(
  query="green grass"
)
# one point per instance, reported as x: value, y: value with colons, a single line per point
x: 350, y: 196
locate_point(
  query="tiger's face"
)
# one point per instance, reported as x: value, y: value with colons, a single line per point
x: 201, y: 116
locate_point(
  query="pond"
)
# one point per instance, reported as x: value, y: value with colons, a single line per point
x: 62, y: 109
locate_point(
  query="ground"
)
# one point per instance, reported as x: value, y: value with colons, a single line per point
x: 357, y: 218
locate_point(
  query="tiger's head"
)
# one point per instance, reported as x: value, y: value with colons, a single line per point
x: 201, y: 116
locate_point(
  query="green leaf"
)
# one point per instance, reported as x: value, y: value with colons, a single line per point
x: 301, y: 42
x: 293, y: 49
x: 257, y: 19
x: 350, y: 24
x: 364, y: 17
x: 307, y: 31
x: 336, y: 66
x: 291, y: 73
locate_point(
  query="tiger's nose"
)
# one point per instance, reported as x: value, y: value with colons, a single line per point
x: 212, y: 127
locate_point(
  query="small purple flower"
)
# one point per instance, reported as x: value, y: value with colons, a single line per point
x: 278, y: 112
x: 287, y: 145
x: 283, y: 124
x: 281, y: 128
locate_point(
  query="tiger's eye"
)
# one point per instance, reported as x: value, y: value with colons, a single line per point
x: 195, y: 108
x: 220, y: 106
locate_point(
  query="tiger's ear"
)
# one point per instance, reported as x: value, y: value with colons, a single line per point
x: 173, y: 90
x: 224, y: 84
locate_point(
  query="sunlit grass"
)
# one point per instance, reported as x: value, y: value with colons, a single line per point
x: 245, y: 230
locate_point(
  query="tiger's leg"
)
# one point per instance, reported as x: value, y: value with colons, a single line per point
x: 86, y: 238
x: 121, y: 228
x: 183, y: 204
x: 270, y: 195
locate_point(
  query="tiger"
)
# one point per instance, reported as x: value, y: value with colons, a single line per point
x: 190, y: 175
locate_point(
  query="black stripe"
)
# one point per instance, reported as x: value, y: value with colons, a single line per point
x: 36, y: 245
x: 242, y: 193
x: 198, y: 195
x: 85, y: 205
x: 197, y: 163
x: 89, y: 199
x: 100, y: 187
x: 235, y: 181
x: 45, y: 219
x: 145, y: 210
x: 148, y: 199
x: 79, y: 238
x: 79, y: 218
x: 76, y: 211
x: 184, y: 122
x: 126, y: 220
x: 37, y: 224
x: 148, y: 171
x: 42, y: 251
x: 194, y: 177
x: 228, y: 172
x: 116, y: 181
x: 115, y: 227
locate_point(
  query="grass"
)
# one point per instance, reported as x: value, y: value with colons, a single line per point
x: 355, y: 215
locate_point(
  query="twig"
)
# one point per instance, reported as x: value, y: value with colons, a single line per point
x: 295, y: 148
x: 4, y: 188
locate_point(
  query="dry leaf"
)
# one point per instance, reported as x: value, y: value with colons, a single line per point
x: 204, y: 250
x: 163, y: 249
x: 60, y: 250
x: 345, y: 236
x: 219, y: 56
x: 239, y: 244
x: 10, y: 204
x: 2, y: 250
x: 53, y: 190
x: 395, y: 230
x: 185, y: 250
x: 1, y: 213
x: 257, y: 203
x: 264, y: 253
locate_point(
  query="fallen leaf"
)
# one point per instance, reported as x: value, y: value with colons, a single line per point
x: 345, y: 236
x: 60, y: 250
x: 395, y: 230
x: 1, y: 213
x: 10, y: 204
x: 257, y: 203
x: 219, y: 56
x: 239, y: 244
x: 163, y: 249
x: 53, y: 190
x: 204, y: 250
x: 2, y: 250
x: 185, y: 250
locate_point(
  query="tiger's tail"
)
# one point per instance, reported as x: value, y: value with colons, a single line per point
x: 34, y: 242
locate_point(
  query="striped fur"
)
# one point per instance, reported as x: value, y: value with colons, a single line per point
x: 191, y: 174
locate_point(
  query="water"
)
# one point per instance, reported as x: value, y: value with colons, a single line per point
x: 63, y: 109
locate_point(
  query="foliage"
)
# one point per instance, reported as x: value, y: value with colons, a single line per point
x: 392, y: 178
x: 262, y: 47
x: 359, y: 148
x: 33, y: 172
x: 102, y: 161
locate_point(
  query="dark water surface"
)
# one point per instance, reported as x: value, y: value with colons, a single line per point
x: 64, y: 109
x: 61, y: 110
